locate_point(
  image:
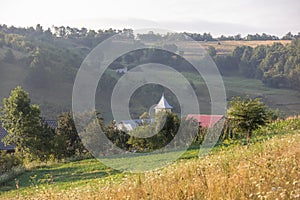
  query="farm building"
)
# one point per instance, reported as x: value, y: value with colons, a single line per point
x: 122, y: 70
x: 128, y: 125
x: 206, y: 121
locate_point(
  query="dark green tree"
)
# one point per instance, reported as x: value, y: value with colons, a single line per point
x: 155, y: 135
x: 212, y: 51
x: 67, y: 140
x: 24, y: 125
x: 9, y: 56
x: 246, y: 115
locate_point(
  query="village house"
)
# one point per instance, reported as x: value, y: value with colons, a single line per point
x: 122, y: 70
x: 206, y: 121
x: 128, y: 125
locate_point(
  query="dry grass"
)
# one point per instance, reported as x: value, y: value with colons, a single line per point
x: 268, y: 170
x: 226, y: 47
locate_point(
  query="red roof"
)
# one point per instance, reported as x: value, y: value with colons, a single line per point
x: 206, y: 121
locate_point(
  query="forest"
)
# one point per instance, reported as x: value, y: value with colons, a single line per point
x: 45, y: 62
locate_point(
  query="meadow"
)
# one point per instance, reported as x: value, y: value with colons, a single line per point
x: 226, y: 47
x: 266, y: 169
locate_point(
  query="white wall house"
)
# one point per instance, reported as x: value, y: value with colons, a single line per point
x: 122, y: 70
x: 128, y: 125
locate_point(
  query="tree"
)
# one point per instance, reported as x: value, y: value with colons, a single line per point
x: 9, y: 56
x: 164, y: 129
x: 38, y: 75
x: 67, y: 140
x: 212, y: 51
x: 246, y: 115
x: 24, y: 125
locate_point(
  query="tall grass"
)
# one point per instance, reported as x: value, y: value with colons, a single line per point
x: 265, y: 170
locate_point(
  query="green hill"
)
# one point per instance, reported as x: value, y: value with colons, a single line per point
x: 45, y: 65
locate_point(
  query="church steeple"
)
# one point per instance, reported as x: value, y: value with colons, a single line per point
x: 163, y: 105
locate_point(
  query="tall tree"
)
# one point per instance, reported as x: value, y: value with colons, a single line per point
x: 68, y: 142
x: 9, y: 56
x: 247, y: 114
x: 23, y: 123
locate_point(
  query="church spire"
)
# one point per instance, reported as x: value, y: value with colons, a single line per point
x: 163, y: 105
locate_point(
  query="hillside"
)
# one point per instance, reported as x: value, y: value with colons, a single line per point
x: 267, y: 169
x: 45, y: 65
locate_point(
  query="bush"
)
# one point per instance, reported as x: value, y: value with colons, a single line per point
x: 8, y: 161
x: 280, y: 127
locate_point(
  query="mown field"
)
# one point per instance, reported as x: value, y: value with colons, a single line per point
x: 267, y: 168
x: 226, y: 47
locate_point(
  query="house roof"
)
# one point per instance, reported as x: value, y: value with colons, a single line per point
x: 163, y: 104
x: 206, y: 121
x: 3, y: 133
x: 129, y: 125
x: 51, y: 123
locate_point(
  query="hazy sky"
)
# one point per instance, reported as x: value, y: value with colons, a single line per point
x: 215, y: 16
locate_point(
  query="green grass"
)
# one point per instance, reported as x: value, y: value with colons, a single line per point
x: 68, y: 176
x: 91, y: 175
x: 61, y: 176
x: 290, y: 104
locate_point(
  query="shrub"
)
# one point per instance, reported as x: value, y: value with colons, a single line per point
x: 280, y: 126
x: 8, y: 161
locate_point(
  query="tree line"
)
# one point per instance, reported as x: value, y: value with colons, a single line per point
x: 276, y: 65
x: 34, y: 139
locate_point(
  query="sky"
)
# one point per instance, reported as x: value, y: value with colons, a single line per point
x: 218, y: 17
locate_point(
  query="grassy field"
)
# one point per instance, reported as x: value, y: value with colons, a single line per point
x: 226, y: 47
x: 290, y: 104
x: 267, y: 169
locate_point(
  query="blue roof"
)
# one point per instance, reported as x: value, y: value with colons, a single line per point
x: 3, y: 133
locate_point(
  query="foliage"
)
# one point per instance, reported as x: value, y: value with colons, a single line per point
x: 9, y: 56
x: 67, y: 142
x: 246, y: 115
x: 116, y: 136
x: 8, y: 161
x: 24, y: 125
x: 279, y: 127
x: 212, y: 51
x: 155, y: 135
x: 277, y: 65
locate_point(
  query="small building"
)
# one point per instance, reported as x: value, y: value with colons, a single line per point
x: 206, y: 121
x: 163, y: 105
x: 129, y: 125
x: 122, y: 70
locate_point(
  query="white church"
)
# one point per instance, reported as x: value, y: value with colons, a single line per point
x: 205, y: 121
x: 163, y: 105
x: 128, y: 125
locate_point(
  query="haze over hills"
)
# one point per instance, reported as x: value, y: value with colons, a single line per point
x: 45, y: 64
